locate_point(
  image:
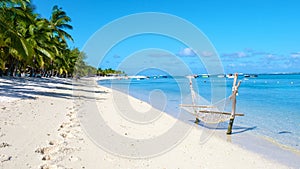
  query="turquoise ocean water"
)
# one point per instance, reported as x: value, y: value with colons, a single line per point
x: 271, y: 103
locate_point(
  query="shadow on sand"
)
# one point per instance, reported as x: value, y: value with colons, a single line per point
x: 30, y: 88
x: 223, y: 126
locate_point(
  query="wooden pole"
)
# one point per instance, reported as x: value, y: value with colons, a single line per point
x: 233, y: 98
x: 219, y: 112
x: 197, y: 120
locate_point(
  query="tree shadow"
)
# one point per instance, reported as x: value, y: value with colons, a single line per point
x: 26, y: 88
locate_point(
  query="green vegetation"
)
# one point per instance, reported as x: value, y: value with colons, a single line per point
x: 34, y: 45
x: 109, y: 71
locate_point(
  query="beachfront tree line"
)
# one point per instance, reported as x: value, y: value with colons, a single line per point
x: 32, y: 45
x: 109, y: 71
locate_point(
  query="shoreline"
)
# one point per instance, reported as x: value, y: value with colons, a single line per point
x: 267, y: 147
x: 47, y: 111
x: 283, y: 153
x: 198, y: 128
x: 280, y: 145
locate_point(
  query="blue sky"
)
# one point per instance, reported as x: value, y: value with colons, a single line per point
x: 253, y: 36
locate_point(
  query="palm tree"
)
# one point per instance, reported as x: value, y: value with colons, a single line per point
x: 13, y: 45
x: 28, y: 42
x: 38, y: 35
x: 58, y: 22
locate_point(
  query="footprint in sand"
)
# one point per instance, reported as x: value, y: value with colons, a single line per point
x: 46, y: 158
x: 64, y: 125
x: 64, y: 135
x: 4, y: 158
x: 50, y: 153
x: 3, y: 145
x: 53, y: 142
x: 73, y: 159
x: 47, y: 166
x: 44, y: 150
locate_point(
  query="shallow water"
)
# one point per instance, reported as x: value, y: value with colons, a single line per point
x: 271, y: 103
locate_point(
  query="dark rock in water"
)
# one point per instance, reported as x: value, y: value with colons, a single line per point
x: 284, y: 132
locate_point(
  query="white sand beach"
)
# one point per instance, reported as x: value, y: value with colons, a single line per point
x: 42, y: 125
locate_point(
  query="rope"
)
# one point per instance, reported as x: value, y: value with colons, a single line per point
x: 220, y: 106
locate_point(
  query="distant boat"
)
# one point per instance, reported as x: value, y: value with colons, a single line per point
x: 195, y: 76
x: 163, y: 76
x: 190, y: 76
x: 138, y: 77
x: 220, y: 76
x: 205, y: 76
x: 250, y: 75
x: 230, y: 76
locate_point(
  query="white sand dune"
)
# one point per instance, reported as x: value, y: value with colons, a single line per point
x: 43, y: 124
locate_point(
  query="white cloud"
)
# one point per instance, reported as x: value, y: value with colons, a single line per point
x: 236, y: 55
x: 241, y: 54
x: 255, y: 53
x: 270, y: 56
x: 187, y: 52
x: 295, y: 55
x: 207, y: 54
